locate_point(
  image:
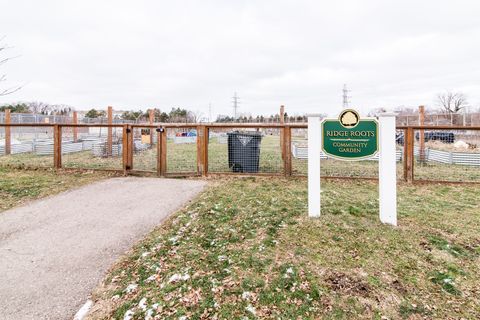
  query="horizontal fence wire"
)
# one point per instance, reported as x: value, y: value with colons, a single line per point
x: 245, y: 150
x: 89, y: 148
x: 447, y: 155
x: 30, y: 147
x: 181, y: 150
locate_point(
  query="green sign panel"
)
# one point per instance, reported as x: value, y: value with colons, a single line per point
x: 349, y: 137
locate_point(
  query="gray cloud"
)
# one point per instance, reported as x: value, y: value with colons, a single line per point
x: 189, y: 53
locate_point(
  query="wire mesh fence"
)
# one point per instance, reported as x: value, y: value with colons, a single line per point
x: 144, y: 146
x: 449, y: 155
x: 181, y: 150
x: 424, y: 154
x: 30, y: 147
x: 90, y: 148
x: 245, y: 150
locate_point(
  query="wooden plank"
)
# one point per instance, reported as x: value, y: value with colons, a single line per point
x: 159, y: 152
x: 125, y: 149
x: 129, y: 148
x: 163, y: 153
x: 8, y: 132
x: 282, y: 122
x: 287, y: 143
x: 200, y: 148
x: 109, y: 134
x: 57, y: 146
x: 409, y: 156
x: 75, y: 129
x: 206, y: 135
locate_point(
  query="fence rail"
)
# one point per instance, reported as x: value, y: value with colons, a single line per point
x: 424, y: 153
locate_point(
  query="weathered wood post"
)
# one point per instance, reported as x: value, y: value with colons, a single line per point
x: 287, y: 143
x: 200, y: 148
x: 75, y: 129
x: 282, y: 122
x: 421, y: 138
x: 57, y: 146
x: 109, y: 131
x: 163, y: 152
x: 387, y: 170
x: 314, y: 143
x: 8, y: 133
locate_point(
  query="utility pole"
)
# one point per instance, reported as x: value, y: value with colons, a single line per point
x: 235, y: 105
x: 345, y: 97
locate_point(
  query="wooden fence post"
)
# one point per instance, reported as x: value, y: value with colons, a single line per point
x: 75, y: 129
x: 200, y: 148
x: 163, y: 152
x: 8, y: 133
x: 57, y: 146
x: 286, y: 150
x: 282, y: 121
x: 109, y: 130
x: 421, y: 121
x: 409, y: 159
x: 130, y: 147
x: 125, y: 150
x: 206, y: 136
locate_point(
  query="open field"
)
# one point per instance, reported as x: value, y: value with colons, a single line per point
x: 246, y: 249
x: 19, y: 186
x: 182, y: 158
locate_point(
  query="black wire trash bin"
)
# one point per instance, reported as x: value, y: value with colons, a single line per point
x: 244, y: 151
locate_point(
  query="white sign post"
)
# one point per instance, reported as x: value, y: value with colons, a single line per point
x: 387, y: 167
x: 314, y: 143
x: 387, y: 170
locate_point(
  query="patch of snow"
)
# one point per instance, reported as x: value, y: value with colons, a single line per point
x: 128, y: 315
x: 131, y: 288
x: 246, y: 295
x: 149, y: 314
x: 178, y: 277
x: 143, y: 304
x: 251, y: 309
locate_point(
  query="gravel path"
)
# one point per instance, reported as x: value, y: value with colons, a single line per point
x: 54, y: 251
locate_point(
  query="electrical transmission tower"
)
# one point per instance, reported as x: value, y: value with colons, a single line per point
x: 235, y: 105
x: 345, y: 97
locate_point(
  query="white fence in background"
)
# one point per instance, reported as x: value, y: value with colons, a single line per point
x: 431, y: 155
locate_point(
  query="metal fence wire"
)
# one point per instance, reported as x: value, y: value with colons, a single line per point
x: 89, y: 148
x: 424, y: 153
x: 181, y: 150
x: 450, y: 155
x: 30, y: 147
x: 245, y: 150
x: 145, y: 146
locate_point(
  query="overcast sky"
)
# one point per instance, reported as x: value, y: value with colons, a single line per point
x: 142, y: 54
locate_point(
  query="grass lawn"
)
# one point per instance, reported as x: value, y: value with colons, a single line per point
x: 245, y: 249
x: 19, y: 186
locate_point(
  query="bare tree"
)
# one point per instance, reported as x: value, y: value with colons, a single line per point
x: 452, y: 102
x: 3, y: 77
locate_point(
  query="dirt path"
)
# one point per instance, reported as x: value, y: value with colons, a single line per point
x: 54, y: 251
